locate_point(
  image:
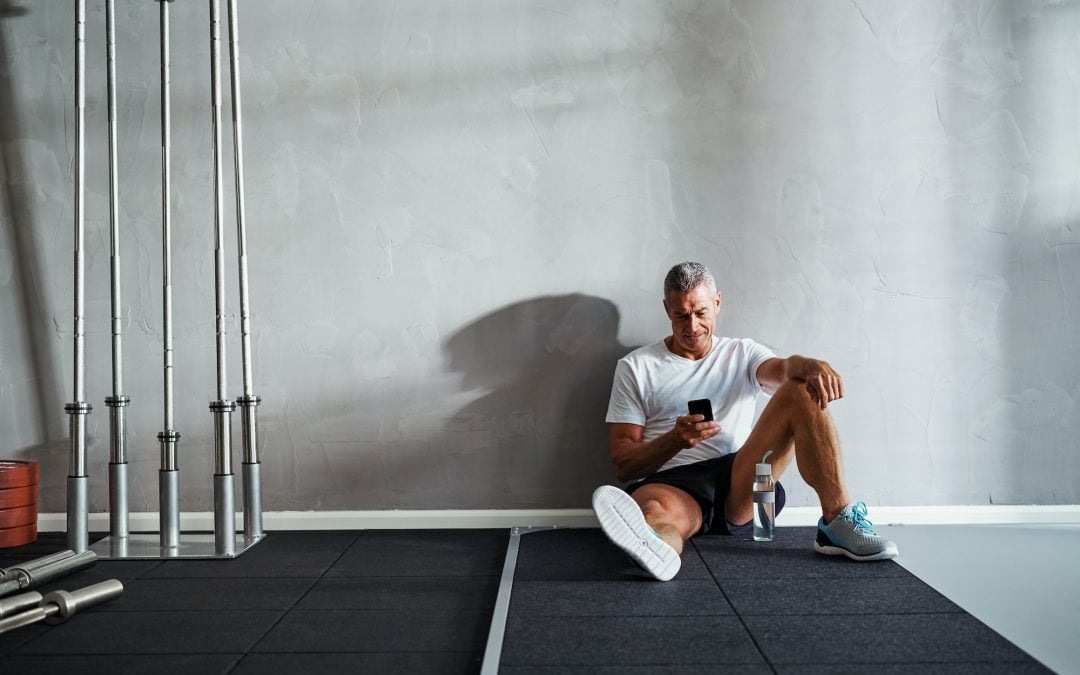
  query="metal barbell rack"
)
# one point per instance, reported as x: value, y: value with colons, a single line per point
x: 169, y: 541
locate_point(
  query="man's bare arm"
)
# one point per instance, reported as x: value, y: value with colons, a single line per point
x: 824, y: 383
x: 633, y: 458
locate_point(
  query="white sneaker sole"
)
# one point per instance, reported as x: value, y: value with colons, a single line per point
x: 889, y: 553
x: 624, y: 524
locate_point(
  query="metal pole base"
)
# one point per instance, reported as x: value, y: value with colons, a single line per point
x: 253, y: 520
x: 252, y: 471
x: 224, y: 515
x: 118, y: 500
x: 192, y: 546
x: 78, y: 514
x: 78, y: 492
x: 169, y: 517
x: 224, y: 499
x: 250, y: 423
x: 118, y: 482
x: 169, y: 543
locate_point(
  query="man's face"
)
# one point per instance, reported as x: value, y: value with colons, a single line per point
x: 693, y: 319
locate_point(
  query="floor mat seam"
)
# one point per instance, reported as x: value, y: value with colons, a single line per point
x: 303, y: 595
x: 730, y: 604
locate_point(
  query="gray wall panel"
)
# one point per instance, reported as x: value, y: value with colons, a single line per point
x: 460, y: 215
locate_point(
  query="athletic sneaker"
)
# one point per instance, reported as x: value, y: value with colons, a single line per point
x: 851, y: 534
x: 624, y: 524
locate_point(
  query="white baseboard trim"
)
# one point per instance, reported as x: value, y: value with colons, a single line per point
x: 505, y: 518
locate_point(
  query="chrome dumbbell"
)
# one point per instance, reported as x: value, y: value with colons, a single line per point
x: 59, y: 606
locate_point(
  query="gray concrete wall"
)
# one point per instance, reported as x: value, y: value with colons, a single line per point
x: 460, y: 215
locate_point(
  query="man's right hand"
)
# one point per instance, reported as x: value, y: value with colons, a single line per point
x: 692, y: 429
x: 633, y: 458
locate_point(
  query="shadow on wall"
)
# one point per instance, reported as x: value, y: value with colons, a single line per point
x: 537, y: 438
x: 33, y: 319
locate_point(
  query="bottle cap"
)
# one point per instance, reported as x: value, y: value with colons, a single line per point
x: 764, y: 469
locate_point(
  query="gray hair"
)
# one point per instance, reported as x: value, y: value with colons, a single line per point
x: 687, y: 276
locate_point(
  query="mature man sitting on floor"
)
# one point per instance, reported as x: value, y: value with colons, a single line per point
x: 695, y: 477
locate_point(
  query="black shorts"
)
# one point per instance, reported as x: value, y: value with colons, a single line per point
x: 708, y: 482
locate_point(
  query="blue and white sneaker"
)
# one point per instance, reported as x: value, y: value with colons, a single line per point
x: 851, y: 534
x: 624, y: 524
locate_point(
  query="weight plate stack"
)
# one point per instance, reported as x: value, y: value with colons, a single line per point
x: 18, y: 502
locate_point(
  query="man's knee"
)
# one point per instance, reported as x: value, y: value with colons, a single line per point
x: 795, y: 396
x: 661, y: 503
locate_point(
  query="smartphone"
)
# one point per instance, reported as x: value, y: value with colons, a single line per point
x: 701, y: 406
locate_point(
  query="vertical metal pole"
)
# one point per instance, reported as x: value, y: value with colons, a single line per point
x: 77, y: 482
x: 169, y: 476
x: 118, y: 483
x: 224, y: 515
x: 249, y: 402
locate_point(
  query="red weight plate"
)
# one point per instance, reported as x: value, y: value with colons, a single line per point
x: 14, y: 473
x: 18, y: 517
x: 18, y: 536
x: 20, y: 496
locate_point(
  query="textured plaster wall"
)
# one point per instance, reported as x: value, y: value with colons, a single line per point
x: 460, y: 215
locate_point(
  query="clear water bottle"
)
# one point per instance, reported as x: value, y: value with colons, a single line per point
x: 764, y: 501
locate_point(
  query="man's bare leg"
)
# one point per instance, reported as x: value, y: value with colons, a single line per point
x: 792, y: 426
x: 624, y: 523
x: 671, y: 513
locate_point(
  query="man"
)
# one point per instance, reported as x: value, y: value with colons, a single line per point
x: 694, y: 476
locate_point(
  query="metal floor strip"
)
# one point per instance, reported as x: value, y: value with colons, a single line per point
x: 493, y: 651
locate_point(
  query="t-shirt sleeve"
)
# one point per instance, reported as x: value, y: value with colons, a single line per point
x: 625, y: 405
x: 756, y: 354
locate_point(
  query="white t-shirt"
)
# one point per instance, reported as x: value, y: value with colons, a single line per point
x: 652, y: 387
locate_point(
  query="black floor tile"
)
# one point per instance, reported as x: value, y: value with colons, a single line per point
x: 438, y: 593
x: 985, y: 668
x: 13, y: 639
x: 895, y: 595
x: 785, y: 537
x: 679, y: 597
x: 121, y: 664
x: 341, y: 630
x: 427, y: 663
x: 281, y: 554
x: 586, y: 554
x: 617, y: 641
x: 424, y: 553
x: 895, y: 639
x: 730, y: 558
x: 46, y: 543
x: 125, y: 571
x: 209, y: 594
x: 203, y: 632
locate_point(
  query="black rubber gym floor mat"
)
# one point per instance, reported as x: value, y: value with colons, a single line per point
x: 421, y: 602
x: 580, y: 605
x: 298, y: 602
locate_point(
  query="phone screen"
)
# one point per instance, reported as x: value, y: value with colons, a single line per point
x: 701, y: 406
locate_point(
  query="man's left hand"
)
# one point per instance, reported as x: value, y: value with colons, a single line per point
x: 824, y: 383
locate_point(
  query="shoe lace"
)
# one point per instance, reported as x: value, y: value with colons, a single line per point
x: 857, y: 516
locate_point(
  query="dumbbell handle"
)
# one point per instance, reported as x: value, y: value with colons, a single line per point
x: 24, y: 618
x: 28, y: 567
x: 69, y: 565
x: 36, y: 572
x: 18, y: 603
x: 70, y: 602
x: 59, y: 606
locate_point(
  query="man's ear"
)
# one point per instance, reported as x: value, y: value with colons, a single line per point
x: 719, y: 301
x: 667, y: 312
